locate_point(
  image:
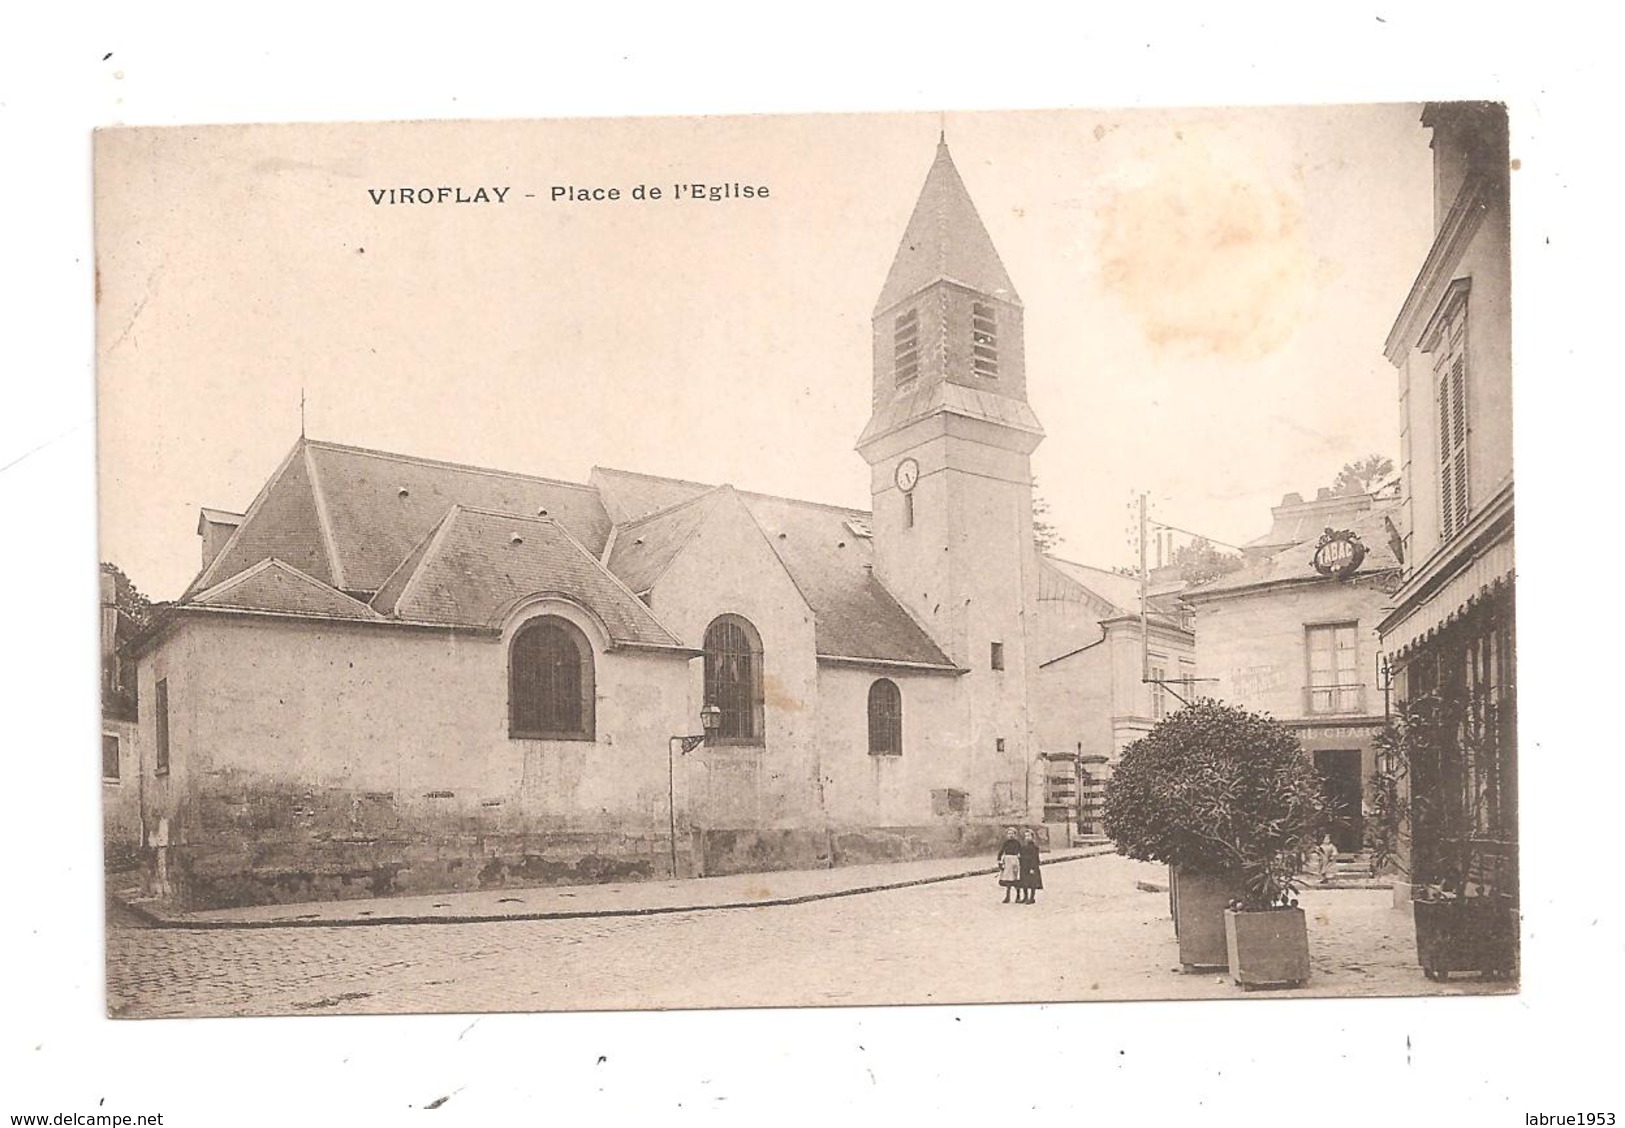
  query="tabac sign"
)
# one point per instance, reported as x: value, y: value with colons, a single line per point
x: 1339, y: 554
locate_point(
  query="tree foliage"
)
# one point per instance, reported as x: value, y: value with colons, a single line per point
x: 1045, y: 535
x: 1420, y: 825
x: 1219, y: 791
x: 1202, y: 560
x: 135, y: 606
x: 1363, y: 474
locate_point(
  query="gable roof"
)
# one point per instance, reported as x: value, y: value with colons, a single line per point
x: 854, y: 615
x: 379, y: 505
x: 282, y: 524
x: 1119, y: 594
x: 629, y: 496
x: 347, y: 515
x: 641, y: 551
x: 945, y: 239
x: 272, y: 585
x: 1295, y: 520
x: 431, y: 542
x: 476, y: 565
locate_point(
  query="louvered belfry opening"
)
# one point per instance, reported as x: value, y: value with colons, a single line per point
x: 984, y: 340
x: 550, y: 682
x: 906, y: 346
x: 733, y: 679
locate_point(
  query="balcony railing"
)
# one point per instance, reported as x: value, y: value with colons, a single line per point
x: 1331, y: 700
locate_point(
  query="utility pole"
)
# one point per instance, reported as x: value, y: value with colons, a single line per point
x: 1145, y: 583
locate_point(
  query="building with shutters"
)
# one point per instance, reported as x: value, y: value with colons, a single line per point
x: 1451, y: 627
x: 394, y: 674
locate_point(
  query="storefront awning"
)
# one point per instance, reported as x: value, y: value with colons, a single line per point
x: 1476, y: 582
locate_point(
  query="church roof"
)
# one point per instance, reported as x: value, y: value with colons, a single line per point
x: 828, y: 560
x: 476, y: 565
x: 945, y: 239
x: 854, y: 615
x: 629, y: 496
x: 434, y: 542
x: 348, y: 516
x: 942, y: 397
x: 643, y: 549
x: 272, y: 586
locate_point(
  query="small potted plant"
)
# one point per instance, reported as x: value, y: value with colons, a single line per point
x: 1435, y: 820
x: 1230, y: 802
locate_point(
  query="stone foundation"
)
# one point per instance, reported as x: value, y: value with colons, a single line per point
x: 287, y: 866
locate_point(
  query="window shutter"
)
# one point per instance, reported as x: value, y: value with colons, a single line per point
x: 1447, y: 509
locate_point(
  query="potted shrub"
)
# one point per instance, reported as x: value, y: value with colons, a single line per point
x: 1230, y: 802
x: 1434, y: 820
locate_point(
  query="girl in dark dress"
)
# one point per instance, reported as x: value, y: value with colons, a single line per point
x: 1031, y: 879
x: 1010, y: 864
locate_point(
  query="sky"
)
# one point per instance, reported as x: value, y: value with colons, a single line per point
x: 1206, y: 296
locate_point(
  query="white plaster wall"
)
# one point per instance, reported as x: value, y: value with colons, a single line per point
x: 406, y: 712
x: 865, y: 790
x: 728, y: 568
x: 1256, y: 648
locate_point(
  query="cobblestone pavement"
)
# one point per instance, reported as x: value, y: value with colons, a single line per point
x: 1092, y: 935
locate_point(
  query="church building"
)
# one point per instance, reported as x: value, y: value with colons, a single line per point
x: 400, y: 675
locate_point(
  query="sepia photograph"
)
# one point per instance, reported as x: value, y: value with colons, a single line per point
x: 821, y: 560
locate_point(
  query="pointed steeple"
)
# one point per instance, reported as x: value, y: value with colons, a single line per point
x: 945, y: 240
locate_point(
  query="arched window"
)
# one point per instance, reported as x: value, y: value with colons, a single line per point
x: 550, y: 682
x: 885, y: 719
x: 733, y: 678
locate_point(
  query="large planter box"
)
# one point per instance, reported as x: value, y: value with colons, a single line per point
x: 1476, y: 934
x: 1269, y: 948
x: 1199, y: 906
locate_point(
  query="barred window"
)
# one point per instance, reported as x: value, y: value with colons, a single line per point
x: 733, y: 679
x: 906, y: 346
x: 885, y: 719
x: 109, y: 756
x: 550, y: 682
x: 984, y: 340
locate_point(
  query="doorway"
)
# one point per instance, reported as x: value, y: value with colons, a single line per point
x: 1339, y: 770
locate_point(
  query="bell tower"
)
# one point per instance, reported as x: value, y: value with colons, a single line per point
x: 949, y: 445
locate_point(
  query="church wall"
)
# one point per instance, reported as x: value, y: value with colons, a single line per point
x: 728, y: 568
x: 314, y: 760
x: 893, y: 791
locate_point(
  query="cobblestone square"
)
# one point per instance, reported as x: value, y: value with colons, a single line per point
x: 1092, y: 935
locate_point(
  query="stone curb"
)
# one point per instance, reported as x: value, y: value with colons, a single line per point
x: 154, y: 920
